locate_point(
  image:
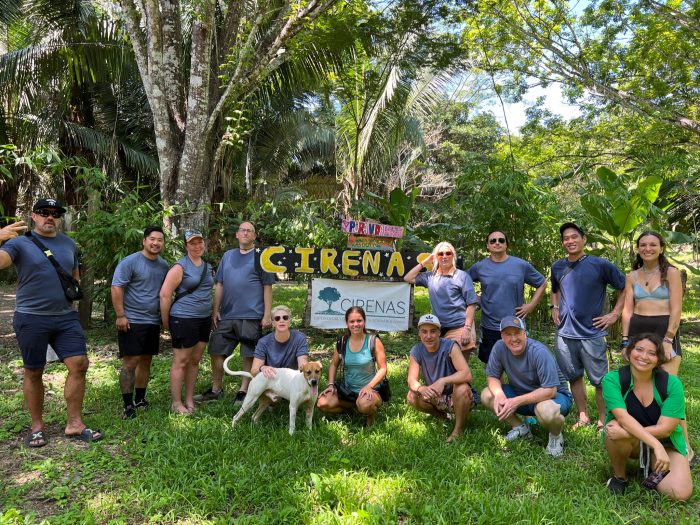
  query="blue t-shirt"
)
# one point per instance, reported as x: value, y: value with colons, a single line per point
x: 39, y: 290
x: 434, y: 365
x: 359, y: 366
x: 502, y: 287
x: 282, y: 355
x: 535, y: 368
x: 243, y: 286
x: 449, y: 296
x: 197, y: 303
x: 141, y: 279
x: 581, y: 286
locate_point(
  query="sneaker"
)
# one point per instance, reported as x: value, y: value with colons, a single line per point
x: 617, y: 485
x: 519, y: 432
x: 129, y: 412
x: 143, y: 404
x: 555, y: 447
x: 240, y: 396
x: 209, y: 395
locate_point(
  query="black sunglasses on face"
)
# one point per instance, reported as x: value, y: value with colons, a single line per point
x: 444, y: 254
x: 45, y: 213
x: 281, y: 317
x: 495, y: 240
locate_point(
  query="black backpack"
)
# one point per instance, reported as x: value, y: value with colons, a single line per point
x: 660, y: 380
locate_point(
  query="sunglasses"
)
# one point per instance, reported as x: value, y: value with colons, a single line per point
x: 281, y: 318
x: 444, y: 254
x: 497, y: 239
x: 46, y: 213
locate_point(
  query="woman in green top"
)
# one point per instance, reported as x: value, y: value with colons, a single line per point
x: 364, y: 371
x: 640, y: 423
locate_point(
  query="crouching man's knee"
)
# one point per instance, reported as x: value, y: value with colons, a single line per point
x: 549, y: 414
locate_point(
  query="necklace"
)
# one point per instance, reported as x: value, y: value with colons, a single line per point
x: 649, y: 272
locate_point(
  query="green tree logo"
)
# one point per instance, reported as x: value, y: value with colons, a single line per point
x: 329, y: 295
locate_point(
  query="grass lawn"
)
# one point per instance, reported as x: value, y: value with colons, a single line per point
x: 160, y: 468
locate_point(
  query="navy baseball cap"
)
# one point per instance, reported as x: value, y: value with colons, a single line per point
x: 573, y: 225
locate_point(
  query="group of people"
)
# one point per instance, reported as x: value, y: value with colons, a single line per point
x: 636, y: 414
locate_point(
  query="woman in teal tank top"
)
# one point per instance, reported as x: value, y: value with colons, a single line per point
x: 363, y: 372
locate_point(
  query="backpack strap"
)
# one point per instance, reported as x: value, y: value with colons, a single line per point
x: 660, y: 381
x: 625, y: 379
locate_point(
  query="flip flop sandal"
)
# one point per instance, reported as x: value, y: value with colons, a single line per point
x: 87, y: 435
x: 35, y: 436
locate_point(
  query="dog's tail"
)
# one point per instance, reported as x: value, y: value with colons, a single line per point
x: 235, y: 372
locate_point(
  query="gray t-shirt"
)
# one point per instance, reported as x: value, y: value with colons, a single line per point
x: 141, y: 279
x: 39, y: 290
x: 449, y: 296
x: 243, y: 286
x: 282, y: 355
x: 434, y: 365
x: 502, y: 287
x: 198, y: 303
x: 535, y: 368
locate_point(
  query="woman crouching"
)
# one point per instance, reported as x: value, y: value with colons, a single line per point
x: 362, y: 386
x: 645, y: 406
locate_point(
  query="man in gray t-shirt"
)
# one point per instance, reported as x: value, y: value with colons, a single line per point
x: 242, y: 303
x: 43, y: 316
x: 136, y: 300
x: 534, y: 388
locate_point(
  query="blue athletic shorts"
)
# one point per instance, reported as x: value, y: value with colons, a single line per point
x: 36, y: 332
x: 560, y: 399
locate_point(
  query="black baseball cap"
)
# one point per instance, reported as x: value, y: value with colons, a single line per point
x: 573, y: 225
x: 48, y: 203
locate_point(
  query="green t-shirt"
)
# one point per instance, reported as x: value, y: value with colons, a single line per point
x: 673, y: 406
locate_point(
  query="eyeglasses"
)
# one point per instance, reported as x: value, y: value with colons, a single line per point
x: 497, y: 239
x: 46, y: 213
x: 444, y: 254
x: 281, y: 318
x: 245, y: 230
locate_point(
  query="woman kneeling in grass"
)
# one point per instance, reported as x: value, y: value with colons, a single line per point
x: 362, y: 387
x: 644, y: 420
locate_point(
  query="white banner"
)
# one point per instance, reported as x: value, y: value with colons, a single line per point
x: 386, y: 304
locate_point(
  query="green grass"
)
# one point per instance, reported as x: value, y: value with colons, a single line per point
x: 161, y: 468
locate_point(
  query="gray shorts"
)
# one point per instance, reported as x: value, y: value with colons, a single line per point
x: 229, y: 333
x: 576, y: 355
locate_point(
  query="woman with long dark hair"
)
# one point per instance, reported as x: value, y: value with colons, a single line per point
x: 645, y: 406
x: 653, y: 301
x: 362, y: 387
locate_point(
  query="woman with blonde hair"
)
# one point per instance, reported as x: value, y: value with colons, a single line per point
x: 452, y: 296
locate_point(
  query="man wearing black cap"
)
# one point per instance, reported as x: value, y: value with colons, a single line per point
x: 579, y: 284
x: 43, y: 316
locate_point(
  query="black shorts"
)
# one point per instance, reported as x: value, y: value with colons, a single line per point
x: 140, y: 339
x: 186, y: 332
x: 488, y: 339
x: 653, y: 324
x: 345, y: 394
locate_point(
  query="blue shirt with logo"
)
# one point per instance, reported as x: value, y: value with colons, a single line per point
x: 243, y: 286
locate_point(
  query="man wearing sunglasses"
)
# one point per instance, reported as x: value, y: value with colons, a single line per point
x: 242, y: 303
x: 43, y: 316
x: 503, y: 278
x: 284, y: 348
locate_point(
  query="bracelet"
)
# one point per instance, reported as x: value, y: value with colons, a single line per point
x: 330, y: 384
x: 668, y: 340
x: 554, y: 307
x: 625, y: 336
x: 421, y: 265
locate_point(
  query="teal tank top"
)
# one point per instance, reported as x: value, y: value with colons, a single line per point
x: 359, y: 366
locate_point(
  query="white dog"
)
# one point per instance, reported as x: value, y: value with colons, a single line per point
x: 298, y: 386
